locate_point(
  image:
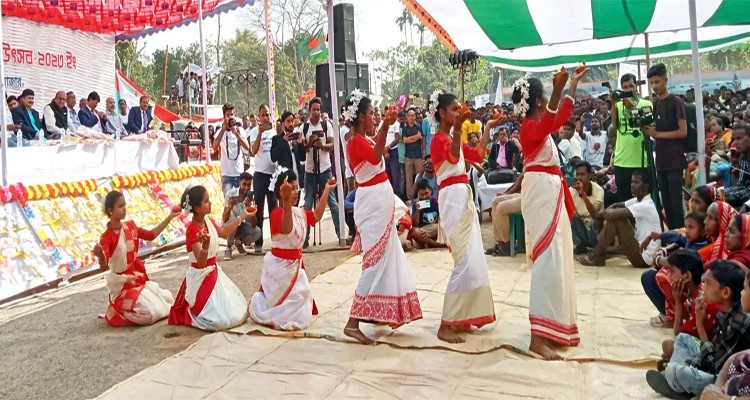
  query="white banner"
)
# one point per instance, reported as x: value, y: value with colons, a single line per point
x: 47, y: 58
x: 628, y: 68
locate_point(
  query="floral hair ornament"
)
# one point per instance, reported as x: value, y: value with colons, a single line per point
x: 186, y: 205
x: 432, y: 107
x: 275, y: 177
x: 350, y: 112
x: 522, y: 107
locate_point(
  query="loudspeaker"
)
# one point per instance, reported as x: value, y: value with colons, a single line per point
x: 343, y: 34
x: 352, y: 77
x: 363, y: 77
x: 323, y: 86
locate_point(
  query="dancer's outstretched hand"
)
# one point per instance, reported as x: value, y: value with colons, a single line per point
x: 579, y: 73
x: 390, y: 117
x: 559, y: 79
x: 331, y: 183
x: 285, y: 190
x: 98, y: 252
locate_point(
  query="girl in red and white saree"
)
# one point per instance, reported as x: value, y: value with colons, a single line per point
x: 207, y: 299
x: 285, y: 300
x: 468, y: 297
x: 547, y: 206
x: 386, y: 292
x: 133, y: 298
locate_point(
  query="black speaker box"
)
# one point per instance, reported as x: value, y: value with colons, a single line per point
x: 323, y: 86
x: 343, y: 34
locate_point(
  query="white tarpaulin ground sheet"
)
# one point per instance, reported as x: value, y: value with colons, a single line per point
x: 617, y: 346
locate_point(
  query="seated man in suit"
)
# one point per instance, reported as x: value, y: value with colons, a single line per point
x: 139, y: 117
x: 504, y: 154
x: 89, y: 116
x: 26, y: 116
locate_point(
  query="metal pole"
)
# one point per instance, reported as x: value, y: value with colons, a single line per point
x: 698, y: 94
x: 648, y: 51
x: 335, y: 123
x: 3, y: 116
x: 270, y: 63
x: 206, y: 139
x: 499, y: 92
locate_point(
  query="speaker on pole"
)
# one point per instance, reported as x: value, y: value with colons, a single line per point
x: 345, y: 50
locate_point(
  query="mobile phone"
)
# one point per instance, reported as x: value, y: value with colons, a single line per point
x: 422, y: 204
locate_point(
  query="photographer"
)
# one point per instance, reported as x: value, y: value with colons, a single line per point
x: 261, y: 136
x: 669, y: 134
x: 629, y: 155
x: 318, y: 142
x: 286, y: 147
x: 228, y: 142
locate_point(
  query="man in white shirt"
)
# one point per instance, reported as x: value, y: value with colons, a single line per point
x: 392, y: 164
x: 261, y: 138
x: 318, y: 140
x: 588, y: 198
x: 11, y: 127
x: 71, y: 104
x: 114, y: 125
x: 595, y: 144
x: 617, y: 225
x: 55, y: 119
x: 122, y: 105
x: 180, y: 88
x: 229, y: 142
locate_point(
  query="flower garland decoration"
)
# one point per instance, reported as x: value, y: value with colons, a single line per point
x: 522, y: 107
x: 432, y: 107
x: 350, y: 112
x: 275, y: 177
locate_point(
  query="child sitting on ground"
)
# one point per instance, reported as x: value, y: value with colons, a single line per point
x: 686, y: 269
x: 695, y: 363
x: 424, y: 217
x: 693, y: 239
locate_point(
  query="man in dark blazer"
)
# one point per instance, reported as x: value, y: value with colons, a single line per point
x: 88, y: 115
x: 137, y: 115
x: 286, y: 149
x: 512, y: 153
x: 26, y: 116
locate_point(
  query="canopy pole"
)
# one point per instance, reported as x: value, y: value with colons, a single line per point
x: 499, y: 91
x: 207, y: 138
x: 164, y: 82
x: 698, y: 94
x: 335, y: 123
x: 462, y: 77
x: 648, y: 51
x: 270, y: 63
x: 3, y: 116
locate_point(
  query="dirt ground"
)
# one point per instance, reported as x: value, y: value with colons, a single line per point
x: 54, y: 346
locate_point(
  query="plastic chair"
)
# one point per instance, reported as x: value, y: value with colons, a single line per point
x: 517, y: 233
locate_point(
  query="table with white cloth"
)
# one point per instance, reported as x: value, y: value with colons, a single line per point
x: 486, y: 192
x: 77, y: 162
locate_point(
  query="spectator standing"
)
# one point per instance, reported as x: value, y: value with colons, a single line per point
x: 472, y: 125
x: 413, y: 156
x: 26, y: 116
x: 428, y: 174
x: 70, y: 99
x: 286, y: 147
x: 669, y: 135
x: 629, y: 155
x: 392, y: 166
x: 139, y: 117
x: 428, y: 131
x: 261, y: 138
x: 595, y: 144
x: 228, y: 142
x: 180, y: 88
x: 56, y: 120
x: 318, y: 141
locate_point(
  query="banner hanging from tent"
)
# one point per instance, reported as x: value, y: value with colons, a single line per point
x: 47, y: 58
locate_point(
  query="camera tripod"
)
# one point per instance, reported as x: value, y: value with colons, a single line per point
x: 318, y: 228
x: 648, y: 164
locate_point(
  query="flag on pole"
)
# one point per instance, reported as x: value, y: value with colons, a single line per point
x: 314, y: 47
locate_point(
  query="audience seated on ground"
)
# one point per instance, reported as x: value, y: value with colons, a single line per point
x: 617, y: 225
x: 588, y: 198
x: 424, y: 218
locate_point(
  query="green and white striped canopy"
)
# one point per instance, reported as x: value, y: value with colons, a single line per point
x: 539, y: 35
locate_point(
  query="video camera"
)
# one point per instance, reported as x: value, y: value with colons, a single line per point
x: 641, y: 117
x: 618, y: 94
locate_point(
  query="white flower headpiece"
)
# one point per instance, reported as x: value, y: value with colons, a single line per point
x: 522, y: 107
x: 432, y: 107
x: 350, y: 112
x: 275, y: 177
x: 186, y: 205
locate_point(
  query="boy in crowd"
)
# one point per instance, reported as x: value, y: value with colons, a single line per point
x: 424, y: 217
x: 694, y: 238
x: 695, y: 363
x: 686, y: 269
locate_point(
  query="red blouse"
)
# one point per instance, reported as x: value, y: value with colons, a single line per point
x: 534, y: 133
x: 360, y: 150
x: 274, y: 219
x: 440, y: 151
x: 193, y: 234
x: 109, y: 239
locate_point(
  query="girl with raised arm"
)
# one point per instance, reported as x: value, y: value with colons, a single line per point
x: 547, y: 206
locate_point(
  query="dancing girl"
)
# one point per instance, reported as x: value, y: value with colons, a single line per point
x: 386, y: 292
x: 134, y: 299
x: 547, y: 205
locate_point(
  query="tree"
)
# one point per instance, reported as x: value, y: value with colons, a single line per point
x: 130, y: 60
x: 404, y: 22
x: 421, y: 29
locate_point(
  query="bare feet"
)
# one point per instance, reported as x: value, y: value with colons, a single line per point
x: 447, y: 334
x: 461, y: 328
x: 357, y: 334
x: 541, y: 346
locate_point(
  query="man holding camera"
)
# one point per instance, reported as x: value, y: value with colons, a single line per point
x: 229, y: 142
x: 669, y: 133
x: 286, y: 147
x: 261, y: 136
x: 318, y: 140
x: 629, y: 155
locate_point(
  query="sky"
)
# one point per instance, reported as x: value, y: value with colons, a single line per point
x: 374, y: 27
